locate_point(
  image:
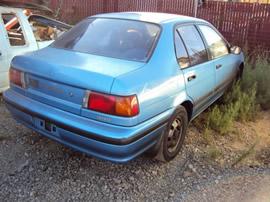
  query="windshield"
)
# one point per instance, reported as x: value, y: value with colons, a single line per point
x: 125, y: 39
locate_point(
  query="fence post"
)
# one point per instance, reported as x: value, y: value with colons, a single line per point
x: 195, y: 8
x: 116, y: 4
x: 105, y: 3
x: 159, y: 6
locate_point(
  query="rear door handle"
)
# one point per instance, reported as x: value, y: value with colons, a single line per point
x: 218, y: 66
x: 191, y: 78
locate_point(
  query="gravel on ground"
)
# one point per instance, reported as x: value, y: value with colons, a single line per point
x: 35, y: 168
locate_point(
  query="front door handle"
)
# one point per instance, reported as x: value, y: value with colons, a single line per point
x: 218, y: 66
x: 0, y: 53
x: 191, y: 78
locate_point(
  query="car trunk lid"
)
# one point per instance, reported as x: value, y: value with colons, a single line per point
x: 60, y: 77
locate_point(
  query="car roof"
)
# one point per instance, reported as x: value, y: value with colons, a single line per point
x: 158, y: 18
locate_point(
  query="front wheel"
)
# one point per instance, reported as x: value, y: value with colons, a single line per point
x: 173, y: 136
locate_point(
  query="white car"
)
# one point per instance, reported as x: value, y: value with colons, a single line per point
x: 20, y: 33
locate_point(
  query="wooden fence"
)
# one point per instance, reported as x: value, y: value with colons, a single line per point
x: 240, y: 23
x: 73, y: 11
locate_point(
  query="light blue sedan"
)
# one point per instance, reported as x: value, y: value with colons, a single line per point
x: 117, y: 85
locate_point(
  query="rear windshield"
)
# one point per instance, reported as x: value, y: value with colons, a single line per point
x: 125, y: 39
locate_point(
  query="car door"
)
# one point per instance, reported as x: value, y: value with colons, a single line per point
x: 225, y: 65
x: 199, y: 72
x: 3, y: 60
x: 16, y: 39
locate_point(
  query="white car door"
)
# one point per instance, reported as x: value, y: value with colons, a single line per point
x: 16, y: 40
x: 3, y: 61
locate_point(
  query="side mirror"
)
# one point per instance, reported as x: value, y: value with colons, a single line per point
x: 235, y: 50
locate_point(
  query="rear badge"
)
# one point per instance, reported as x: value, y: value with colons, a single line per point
x: 51, y: 88
x: 70, y: 94
x: 103, y: 118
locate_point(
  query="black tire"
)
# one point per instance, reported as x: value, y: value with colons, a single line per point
x: 173, y: 136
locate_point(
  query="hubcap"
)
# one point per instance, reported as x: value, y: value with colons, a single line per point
x: 174, y: 135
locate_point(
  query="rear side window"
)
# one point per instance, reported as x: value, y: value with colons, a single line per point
x: 216, y: 44
x: 12, y: 25
x: 194, y: 44
x: 181, y: 53
x: 126, y: 39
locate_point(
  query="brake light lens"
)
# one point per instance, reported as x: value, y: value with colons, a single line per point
x: 101, y: 102
x: 114, y: 105
x: 127, y: 106
x: 17, y: 77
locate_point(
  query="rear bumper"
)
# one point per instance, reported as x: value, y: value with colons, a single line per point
x: 106, y: 141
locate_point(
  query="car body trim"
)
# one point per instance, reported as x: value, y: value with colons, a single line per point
x: 203, y: 97
x: 224, y: 83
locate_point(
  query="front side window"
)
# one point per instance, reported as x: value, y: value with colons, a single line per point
x: 15, y: 35
x: 215, y: 43
x: 194, y: 44
x: 181, y: 53
x: 125, y: 39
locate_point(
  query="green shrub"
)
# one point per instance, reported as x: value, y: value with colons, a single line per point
x: 221, y: 117
x: 238, y: 105
x: 248, y: 108
x: 244, y: 101
x: 258, y: 71
x: 245, y: 98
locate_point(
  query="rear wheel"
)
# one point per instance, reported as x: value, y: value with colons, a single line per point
x: 173, y: 137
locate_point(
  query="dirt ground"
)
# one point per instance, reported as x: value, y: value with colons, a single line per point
x: 35, y: 168
x: 249, y: 141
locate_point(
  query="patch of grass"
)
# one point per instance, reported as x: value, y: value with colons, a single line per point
x: 214, y: 153
x: 236, y: 134
x: 208, y: 136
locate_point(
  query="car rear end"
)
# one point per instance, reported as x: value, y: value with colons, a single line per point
x: 64, y: 93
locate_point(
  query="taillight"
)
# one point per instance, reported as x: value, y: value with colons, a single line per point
x: 111, y: 104
x: 17, y: 77
x: 101, y: 102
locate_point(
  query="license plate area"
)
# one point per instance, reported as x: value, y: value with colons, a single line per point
x: 46, y: 126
